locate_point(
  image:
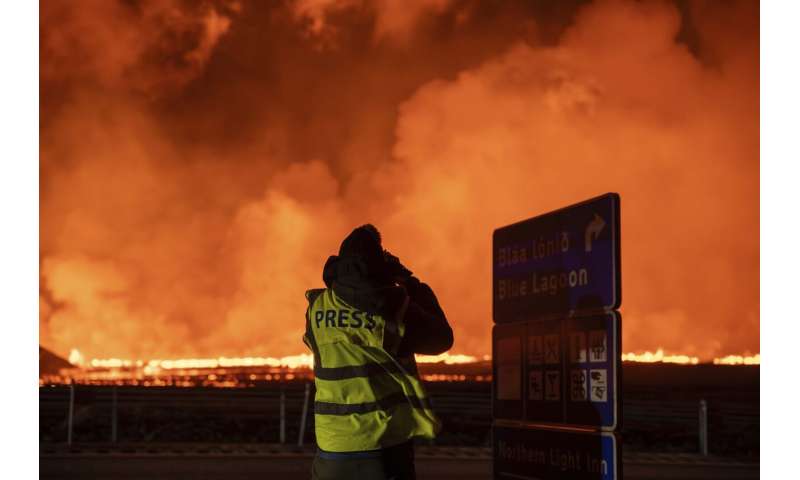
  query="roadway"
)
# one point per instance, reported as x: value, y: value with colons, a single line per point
x: 432, y: 464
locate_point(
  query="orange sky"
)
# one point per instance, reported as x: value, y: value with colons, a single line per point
x: 200, y: 160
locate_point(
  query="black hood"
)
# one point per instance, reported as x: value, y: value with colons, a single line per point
x: 358, y: 275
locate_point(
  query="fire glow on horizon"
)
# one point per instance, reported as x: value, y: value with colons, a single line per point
x: 201, y: 160
x: 302, y: 360
x: 307, y: 361
x: 242, y: 372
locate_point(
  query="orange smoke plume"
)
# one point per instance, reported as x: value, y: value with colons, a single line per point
x: 200, y: 161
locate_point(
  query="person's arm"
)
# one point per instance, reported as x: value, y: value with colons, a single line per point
x: 427, y: 330
x: 311, y: 296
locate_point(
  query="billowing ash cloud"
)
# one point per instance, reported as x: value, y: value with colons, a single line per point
x: 393, y: 21
x: 143, y: 45
x: 199, y: 161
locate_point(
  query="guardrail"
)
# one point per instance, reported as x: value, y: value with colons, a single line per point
x: 281, y: 413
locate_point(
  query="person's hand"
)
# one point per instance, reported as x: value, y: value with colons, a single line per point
x: 395, y: 269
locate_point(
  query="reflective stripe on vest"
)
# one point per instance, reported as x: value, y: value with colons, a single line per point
x: 366, y: 398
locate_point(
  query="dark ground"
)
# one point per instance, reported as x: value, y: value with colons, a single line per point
x: 216, y: 433
x: 432, y: 463
x: 659, y: 411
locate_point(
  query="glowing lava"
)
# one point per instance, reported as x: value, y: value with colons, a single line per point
x: 739, y: 360
x: 660, y: 357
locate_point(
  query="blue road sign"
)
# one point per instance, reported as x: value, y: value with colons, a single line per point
x: 526, y: 453
x: 562, y: 372
x: 561, y: 262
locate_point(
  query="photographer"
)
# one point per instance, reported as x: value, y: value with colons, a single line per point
x: 364, y: 329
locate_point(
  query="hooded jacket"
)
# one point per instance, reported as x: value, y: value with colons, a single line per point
x: 402, y: 319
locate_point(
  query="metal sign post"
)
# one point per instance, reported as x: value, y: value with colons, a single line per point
x: 302, y: 433
x: 113, y: 414
x: 556, y: 344
x: 283, y: 415
x: 70, y: 414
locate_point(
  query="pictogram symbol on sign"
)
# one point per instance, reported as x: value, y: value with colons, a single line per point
x: 551, y: 350
x: 577, y: 347
x: 598, y: 379
x: 535, y: 385
x: 552, y: 385
x: 577, y: 385
x: 535, y: 350
x: 597, y: 346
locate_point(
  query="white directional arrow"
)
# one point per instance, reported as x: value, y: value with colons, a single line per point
x: 593, y: 231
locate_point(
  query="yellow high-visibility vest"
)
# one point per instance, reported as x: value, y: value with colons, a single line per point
x: 366, y: 398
